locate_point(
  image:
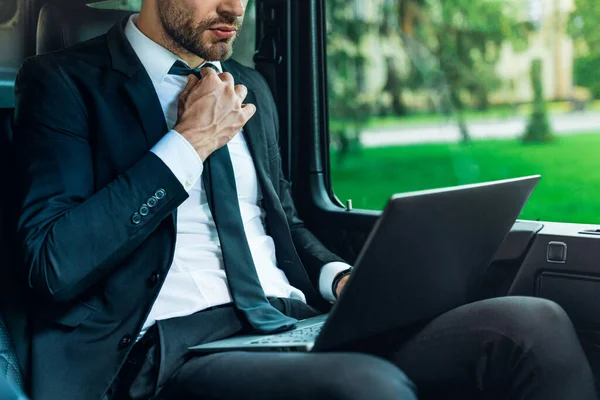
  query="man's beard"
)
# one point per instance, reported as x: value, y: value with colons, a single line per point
x: 184, y: 32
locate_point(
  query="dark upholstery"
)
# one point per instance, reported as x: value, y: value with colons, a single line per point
x: 61, y: 25
x: 5, y: 128
x: 8, y: 391
x: 9, y: 366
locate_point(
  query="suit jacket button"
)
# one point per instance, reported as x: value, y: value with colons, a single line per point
x: 152, y: 201
x: 136, y: 219
x: 154, y: 279
x: 125, y: 341
x: 144, y: 210
x: 160, y: 194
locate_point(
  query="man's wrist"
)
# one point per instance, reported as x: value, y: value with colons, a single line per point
x: 337, y: 279
x: 326, y: 277
x: 181, y: 158
x: 203, y: 148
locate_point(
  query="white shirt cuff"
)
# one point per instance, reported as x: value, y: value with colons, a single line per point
x: 181, y: 158
x: 328, y: 274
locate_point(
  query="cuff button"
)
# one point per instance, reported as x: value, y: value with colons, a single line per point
x: 144, y: 210
x: 160, y: 194
x: 152, y: 201
x: 136, y: 219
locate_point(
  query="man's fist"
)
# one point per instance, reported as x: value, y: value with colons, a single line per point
x: 211, y: 111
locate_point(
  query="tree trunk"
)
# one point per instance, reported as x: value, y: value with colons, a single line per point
x: 460, y: 116
x: 538, y: 129
x: 393, y: 86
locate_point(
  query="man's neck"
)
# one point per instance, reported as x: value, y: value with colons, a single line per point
x: 149, y: 24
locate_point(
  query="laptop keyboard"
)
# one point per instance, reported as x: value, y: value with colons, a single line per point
x: 301, y: 335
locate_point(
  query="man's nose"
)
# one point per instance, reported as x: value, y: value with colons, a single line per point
x: 234, y: 8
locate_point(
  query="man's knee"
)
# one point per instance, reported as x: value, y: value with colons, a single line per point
x: 365, y: 377
x: 529, y: 316
x: 536, y: 325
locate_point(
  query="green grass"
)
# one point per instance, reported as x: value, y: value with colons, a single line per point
x: 570, y: 169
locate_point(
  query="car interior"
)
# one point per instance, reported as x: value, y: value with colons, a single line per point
x: 557, y: 261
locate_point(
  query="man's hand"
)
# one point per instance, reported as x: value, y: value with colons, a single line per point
x: 340, y: 285
x: 211, y: 111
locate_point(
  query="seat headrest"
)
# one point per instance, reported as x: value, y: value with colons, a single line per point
x: 62, y: 25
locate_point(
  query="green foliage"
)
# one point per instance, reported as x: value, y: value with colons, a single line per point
x: 467, y: 37
x: 587, y: 73
x: 453, y: 48
x: 538, y: 129
x: 584, y: 25
x: 565, y: 194
x: 347, y: 63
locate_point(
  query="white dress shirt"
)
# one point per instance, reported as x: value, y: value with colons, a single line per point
x: 197, y: 278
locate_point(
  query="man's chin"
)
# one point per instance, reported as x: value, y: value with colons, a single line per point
x: 220, y: 51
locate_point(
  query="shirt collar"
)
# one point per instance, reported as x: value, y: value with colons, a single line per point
x: 156, y: 59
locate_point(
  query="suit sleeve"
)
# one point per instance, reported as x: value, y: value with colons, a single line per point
x: 72, y: 235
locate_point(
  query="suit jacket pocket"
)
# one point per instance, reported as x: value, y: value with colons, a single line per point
x: 69, y: 316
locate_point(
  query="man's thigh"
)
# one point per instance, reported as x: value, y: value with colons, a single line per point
x: 266, y: 375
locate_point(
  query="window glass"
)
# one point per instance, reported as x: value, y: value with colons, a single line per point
x: 13, y: 45
x: 243, y: 50
x: 433, y: 93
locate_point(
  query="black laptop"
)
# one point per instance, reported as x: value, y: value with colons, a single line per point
x: 426, y: 255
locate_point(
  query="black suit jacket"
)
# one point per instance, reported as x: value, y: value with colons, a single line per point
x: 85, y: 120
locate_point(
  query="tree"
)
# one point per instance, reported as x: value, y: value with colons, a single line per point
x: 584, y: 24
x: 350, y: 105
x: 467, y: 36
x: 583, y: 27
x: 538, y: 129
x: 398, y: 16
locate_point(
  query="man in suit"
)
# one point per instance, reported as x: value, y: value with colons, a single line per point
x: 154, y: 216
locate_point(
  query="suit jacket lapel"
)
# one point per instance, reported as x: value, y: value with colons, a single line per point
x: 137, y: 85
x: 146, y: 103
x: 254, y: 133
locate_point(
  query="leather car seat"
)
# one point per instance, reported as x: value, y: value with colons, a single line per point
x: 62, y: 25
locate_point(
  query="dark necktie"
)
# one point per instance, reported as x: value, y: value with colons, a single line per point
x: 219, y: 183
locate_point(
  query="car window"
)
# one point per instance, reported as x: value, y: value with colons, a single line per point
x: 433, y: 93
x: 12, y: 43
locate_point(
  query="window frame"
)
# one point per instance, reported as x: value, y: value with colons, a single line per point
x: 309, y: 134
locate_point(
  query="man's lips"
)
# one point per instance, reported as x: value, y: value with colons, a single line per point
x: 224, y: 32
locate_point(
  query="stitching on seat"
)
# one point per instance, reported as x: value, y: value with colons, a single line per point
x: 9, y: 366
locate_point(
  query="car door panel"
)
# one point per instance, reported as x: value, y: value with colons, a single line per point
x: 573, y: 283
